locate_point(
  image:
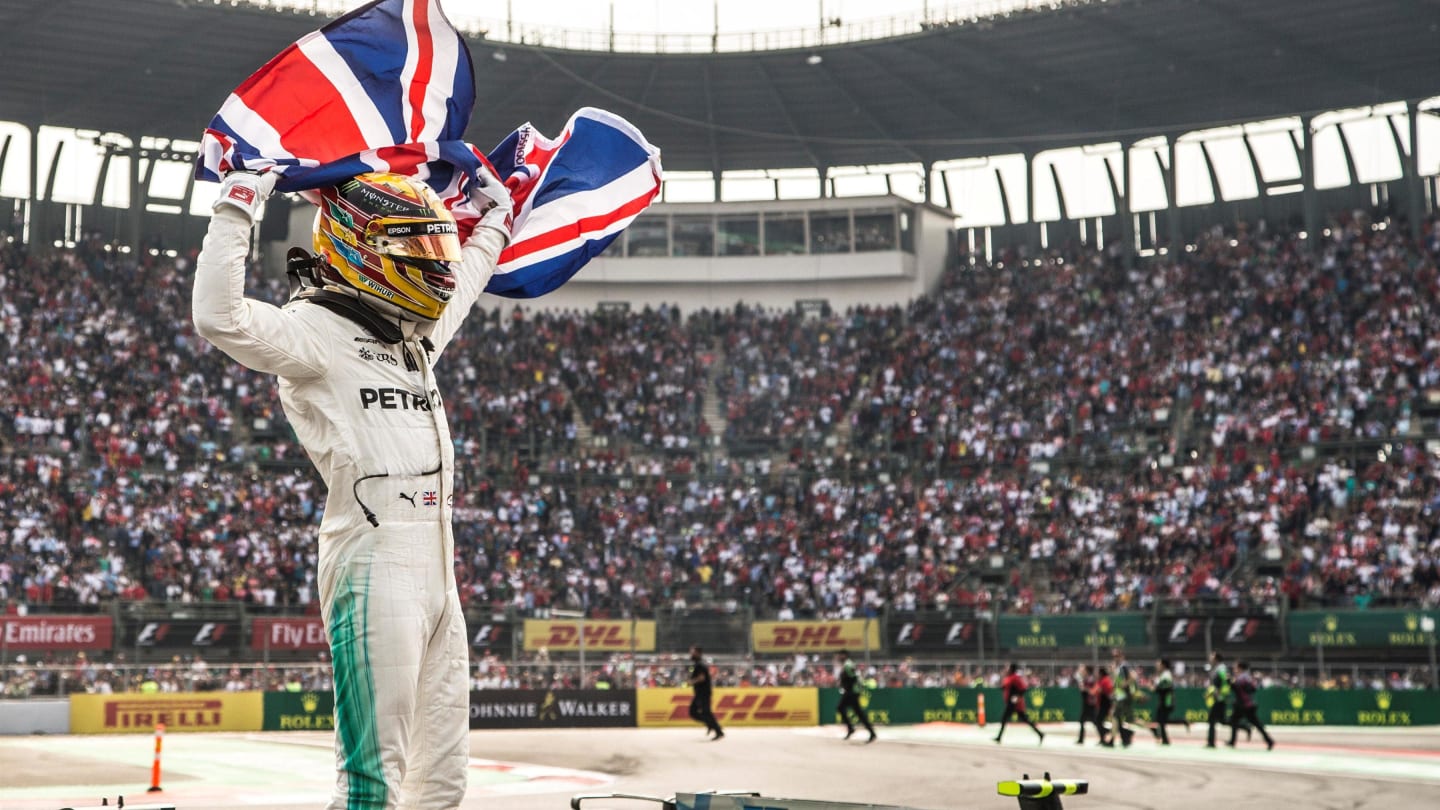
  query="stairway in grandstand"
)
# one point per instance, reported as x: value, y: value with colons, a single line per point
x: 584, y: 436
x: 712, y: 409
x: 1182, y: 424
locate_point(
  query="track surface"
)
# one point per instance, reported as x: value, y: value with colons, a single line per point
x: 927, y: 767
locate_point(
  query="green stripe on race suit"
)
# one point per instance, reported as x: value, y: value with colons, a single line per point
x: 355, y: 716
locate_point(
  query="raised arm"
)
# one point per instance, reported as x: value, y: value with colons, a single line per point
x: 479, y: 256
x: 255, y: 334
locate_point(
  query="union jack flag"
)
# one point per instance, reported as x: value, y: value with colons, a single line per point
x: 429, y: 497
x: 390, y: 87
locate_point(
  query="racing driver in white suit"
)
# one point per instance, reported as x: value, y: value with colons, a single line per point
x: 354, y: 350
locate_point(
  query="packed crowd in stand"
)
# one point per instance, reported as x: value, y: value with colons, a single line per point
x: 789, y: 376
x: 1118, y: 435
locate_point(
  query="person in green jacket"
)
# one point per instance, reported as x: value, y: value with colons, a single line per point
x: 1123, y: 697
x: 1217, y: 694
x: 849, y: 682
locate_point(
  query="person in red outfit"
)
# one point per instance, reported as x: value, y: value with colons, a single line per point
x: 1089, y: 703
x: 1014, y: 687
x: 1104, y: 704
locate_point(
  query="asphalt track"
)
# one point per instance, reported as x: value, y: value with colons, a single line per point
x: 934, y: 766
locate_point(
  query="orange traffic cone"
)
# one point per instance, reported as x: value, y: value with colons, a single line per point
x: 155, y: 768
x: 980, y: 710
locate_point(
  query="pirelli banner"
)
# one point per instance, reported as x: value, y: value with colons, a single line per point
x: 815, y: 636
x: 738, y: 706
x: 600, y: 635
x: 1362, y: 629
x: 191, y: 711
x: 48, y: 633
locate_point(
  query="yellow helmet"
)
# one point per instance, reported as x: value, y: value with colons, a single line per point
x: 389, y: 238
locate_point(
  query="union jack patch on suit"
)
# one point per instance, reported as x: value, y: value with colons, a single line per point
x: 430, y: 499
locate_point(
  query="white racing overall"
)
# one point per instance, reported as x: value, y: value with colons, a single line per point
x: 370, y: 416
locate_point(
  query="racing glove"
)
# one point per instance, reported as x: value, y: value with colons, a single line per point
x: 492, y: 199
x: 245, y: 191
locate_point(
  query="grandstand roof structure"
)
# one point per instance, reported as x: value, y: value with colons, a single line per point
x: 1076, y: 74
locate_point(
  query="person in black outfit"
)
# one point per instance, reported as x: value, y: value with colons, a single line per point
x: 1164, y: 700
x: 700, y: 704
x: 850, y: 697
x: 1089, y: 703
x: 1244, y: 687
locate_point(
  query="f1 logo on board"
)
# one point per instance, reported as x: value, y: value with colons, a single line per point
x: 209, y: 633
x: 1184, y: 631
x: 1241, y: 630
x: 912, y: 633
x: 487, y: 634
x: 156, y: 634
x: 960, y: 632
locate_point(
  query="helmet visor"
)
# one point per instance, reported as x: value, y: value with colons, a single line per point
x: 433, y: 239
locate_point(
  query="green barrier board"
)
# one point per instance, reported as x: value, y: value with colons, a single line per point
x: 1359, y: 628
x: 957, y: 705
x: 1276, y: 706
x: 1020, y: 633
x: 299, y: 711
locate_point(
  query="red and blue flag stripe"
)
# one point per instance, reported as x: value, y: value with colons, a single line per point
x: 390, y: 87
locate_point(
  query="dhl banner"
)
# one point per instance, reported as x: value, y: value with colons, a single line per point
x: 601, y: 635
x: 738, y: 706
x: 815, y: 636
x: 191, y: 711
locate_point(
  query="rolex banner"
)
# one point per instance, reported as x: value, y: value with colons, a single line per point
x: 299, y: 711
x: 1361, y: 629
x: 897, y: 707
x: 1122, y: 630
x: 1277, y: 706
x: 1349, y: 707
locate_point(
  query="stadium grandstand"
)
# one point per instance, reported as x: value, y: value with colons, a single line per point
x: 1080, y: 312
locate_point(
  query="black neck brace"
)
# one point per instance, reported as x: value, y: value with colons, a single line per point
x: 367, y: 318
